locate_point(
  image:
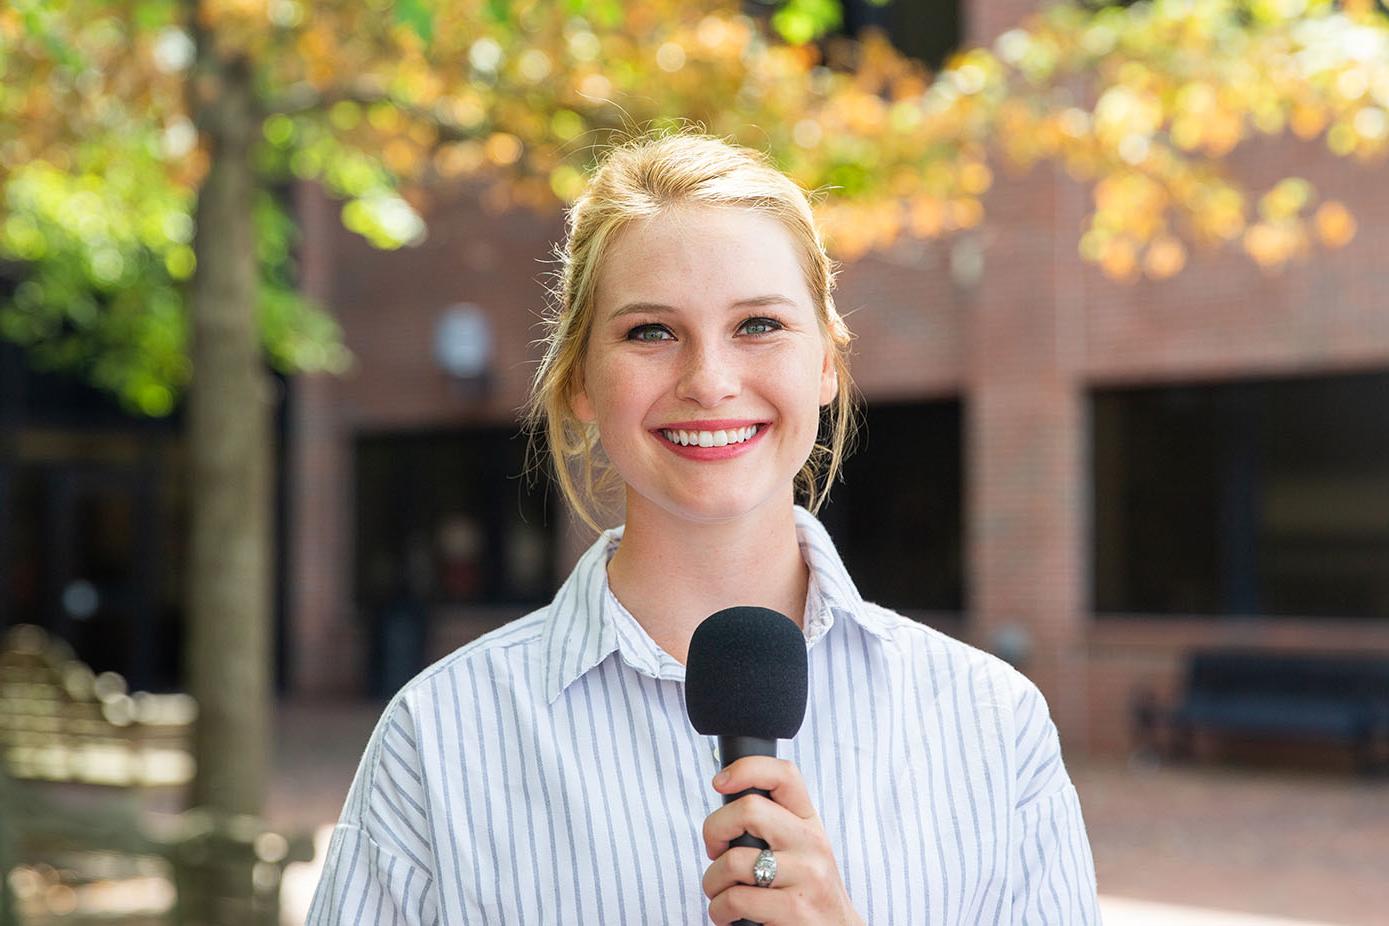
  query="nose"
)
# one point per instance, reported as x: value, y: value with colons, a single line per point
x: 708, y: 376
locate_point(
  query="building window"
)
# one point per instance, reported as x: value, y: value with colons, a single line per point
x: 447, y: 519
x: 928, y: 30
x: 1250, y: 498
x: 896, y: 517
x: 92, y: 523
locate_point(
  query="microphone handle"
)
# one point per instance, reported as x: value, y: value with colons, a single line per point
x: 731, y: 749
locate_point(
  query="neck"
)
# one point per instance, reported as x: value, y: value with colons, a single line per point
x: 671, y: 573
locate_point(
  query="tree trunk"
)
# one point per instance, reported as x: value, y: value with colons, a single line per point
x: 229, y: 435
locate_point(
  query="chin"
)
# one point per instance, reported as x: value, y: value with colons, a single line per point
x: 715, y: 508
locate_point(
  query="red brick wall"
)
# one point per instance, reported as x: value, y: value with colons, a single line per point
x: 908, y: 320
x: 390, y: 302
x: 1225, y: 316
x: 1021, y: 346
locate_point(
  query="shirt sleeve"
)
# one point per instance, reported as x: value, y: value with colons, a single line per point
x: 379, y: 864
x: 1054, y: 870
x: 363, y: 883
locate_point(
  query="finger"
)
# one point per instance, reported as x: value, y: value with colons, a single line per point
x: 735, y: 867
x: 772, y: 823
x: 758, y: 904
x: 779, y: 777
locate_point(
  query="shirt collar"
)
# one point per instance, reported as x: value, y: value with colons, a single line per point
x: 586, y: 623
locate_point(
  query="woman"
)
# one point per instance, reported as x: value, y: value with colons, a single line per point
x: 546, y: 772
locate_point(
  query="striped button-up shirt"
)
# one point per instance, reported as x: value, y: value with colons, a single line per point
x: 547, y: 773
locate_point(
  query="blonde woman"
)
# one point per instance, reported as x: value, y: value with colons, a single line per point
x: 696, y: 367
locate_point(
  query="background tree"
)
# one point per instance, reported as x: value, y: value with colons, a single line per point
x: 141, y: 140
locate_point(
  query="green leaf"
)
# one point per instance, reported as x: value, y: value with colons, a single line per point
x: 151, y: 14
x: 608, y: 13
x: 498, y: 11
x: 802, y: 21
x: 37, y: 25
x: 417, y: 16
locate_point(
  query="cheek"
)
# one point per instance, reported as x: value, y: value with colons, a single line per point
x: 798, y: 385
x: 619, y: 390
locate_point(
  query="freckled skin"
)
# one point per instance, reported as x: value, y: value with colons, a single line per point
x: 703, y: 360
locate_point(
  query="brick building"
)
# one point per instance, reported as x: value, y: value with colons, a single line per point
x: 1093, y: 478
x: 1106, y: 475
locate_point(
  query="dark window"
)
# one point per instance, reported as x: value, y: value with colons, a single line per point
x: 1251, y: 498
x: 928, y: 30
x: 92, y: 522
x: 896, y: 518
x: 446, y: 518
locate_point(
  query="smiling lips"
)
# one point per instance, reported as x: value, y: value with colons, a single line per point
x: 711, y: 443
x: 709, y: 438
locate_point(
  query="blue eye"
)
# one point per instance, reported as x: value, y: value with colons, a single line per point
x: 768, y: 325
x: 640, y: 333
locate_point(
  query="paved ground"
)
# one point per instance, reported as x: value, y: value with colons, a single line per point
x: 1204, y: 845
x: 1311, y: 846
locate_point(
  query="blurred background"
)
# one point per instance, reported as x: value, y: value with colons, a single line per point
x: 270, y: 284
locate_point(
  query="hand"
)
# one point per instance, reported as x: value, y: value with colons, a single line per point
x: 808, y: 889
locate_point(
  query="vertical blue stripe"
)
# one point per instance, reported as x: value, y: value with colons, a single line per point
x: 968, y: 778
x: 619, y: 888
x: 902, y: 757
x: 485, y: 751
x: 872, y: 690
x: 614, y: 802
x: 460, y: 748
x: 538, y: 765
x: 842, y: 842
x: 642, y: 684
x: 507, y: 778
x: 589, y: 827
x: 941, y: 881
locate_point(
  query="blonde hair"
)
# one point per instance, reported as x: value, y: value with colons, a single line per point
x: 645, y: 176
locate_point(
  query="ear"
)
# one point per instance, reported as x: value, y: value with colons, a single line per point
x: 579, y: 402
x: 829, y: 380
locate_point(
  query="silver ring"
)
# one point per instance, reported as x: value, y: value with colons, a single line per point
x: 764, y: 869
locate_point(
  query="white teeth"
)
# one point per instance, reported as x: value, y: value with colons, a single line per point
x: 710, y: 438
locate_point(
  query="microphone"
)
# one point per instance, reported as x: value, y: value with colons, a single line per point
x: 746, y: 683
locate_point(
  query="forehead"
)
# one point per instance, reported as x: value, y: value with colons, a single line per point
x: 698, y: 256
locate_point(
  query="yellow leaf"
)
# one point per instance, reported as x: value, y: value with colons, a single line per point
x: 1165, y: 257
x: 1307, y: 121
x: 926, y: 216
x: 975, y: 178
x: 1117, y: 259
x: 966, y: 213
x: 1335, y: 224
x: 502, y: 148
x: 401, y: 156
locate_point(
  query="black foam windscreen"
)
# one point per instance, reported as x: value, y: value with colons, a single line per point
x: 745, y: 674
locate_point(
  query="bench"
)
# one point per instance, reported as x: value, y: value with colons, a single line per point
x: 1339, y: 697
x: 85, y: 766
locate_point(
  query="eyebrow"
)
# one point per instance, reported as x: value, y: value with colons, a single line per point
x: 638, y: 308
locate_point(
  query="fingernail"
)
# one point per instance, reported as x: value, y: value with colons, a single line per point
x: 720, y: 779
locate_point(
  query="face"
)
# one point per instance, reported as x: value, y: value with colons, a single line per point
x: 704, y: 325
